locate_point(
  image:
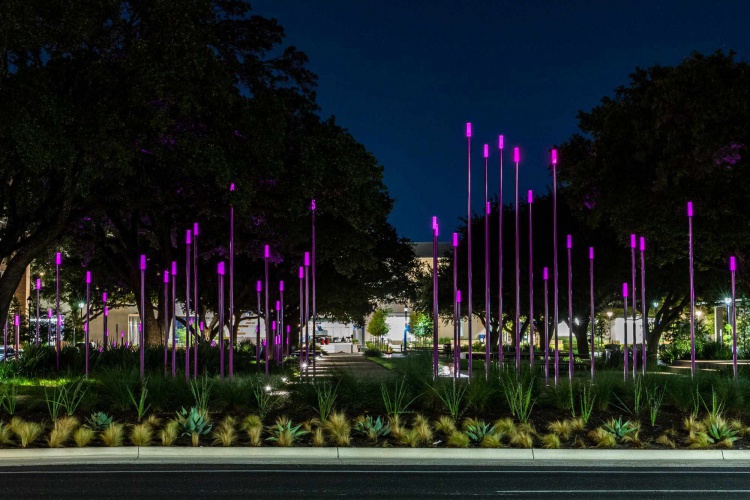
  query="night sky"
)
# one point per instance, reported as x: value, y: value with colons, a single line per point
x: 405, y: 76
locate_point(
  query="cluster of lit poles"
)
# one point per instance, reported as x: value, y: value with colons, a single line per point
x: 274, y: 327
x: 627, y: 292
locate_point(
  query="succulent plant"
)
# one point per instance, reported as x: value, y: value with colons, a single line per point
x: 99, y: 421
x: 193, y: 422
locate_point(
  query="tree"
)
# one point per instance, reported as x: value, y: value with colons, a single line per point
x: 421, y: 325
x: 674, y: 134
x: 377, y: 327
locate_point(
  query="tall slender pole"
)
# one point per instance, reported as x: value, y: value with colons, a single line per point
x: 692, y: 289
x: 5, y: 342
x: 220, y: 271
x: 435, y: 302
x: 188, y: 272
x: 570, y: 307
x: 457, y: 358
x: 277, y: 335
x: 456, y: 314
x: 231, y: 288
x: 258, y: 290
x: 501, y: 147
x: 166, y: 319
x: 555, y: 298
x: 531, y: 282
x: 266, y: 256
x: 633, y: 299
x: 88, y: 316
x: 105, y: 332
x: 301, y: 275
x: 172, y: 320
x: 487, y: 329
x: 281, y: 323
x: 592, y: 321
x: 49, y: 326
x: 468, y: 250
x: 516, y: 325
x: 58, y: 261
x: 38, y: 288
x: 142, y: 339
x: 625, y: 329
x: 195, y: 300
x: 307, y: 315
x: 16, y: 336
x: 644, y: 304
x: 312, y: 268
x: 732, y: 270
x: 545, y: 344
x: 274, y: 336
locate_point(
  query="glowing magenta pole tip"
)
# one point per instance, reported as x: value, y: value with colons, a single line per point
x: 458, y: 296
x: 455, y: 239
x: 195, y: 229
x: 88, y: 277
x: 288, y: 329
x: 625, y: 290
x: 435, y: 229
x: 545, y: 273
x: 501, y: 142
x: 486, y: 150
x: 553, y: 157
x: 690, y: 209
x: 104, y: 297
x: 231, y: 187
x: 278, y: 305
x: 38, y: 284
x: 281, y: 286
x: 434, y: 221
x: 516, y: 155
x: 17, y: 321
x: 58, y: 258
x: 732, y: 263
x: 642, y: 242
x: 273, y: 326
x: 569, y: 241
x: 266, y: 251
x: 220, y: 268
x: 49, y: 313
x: 188, y: 235
x: 468, y: 130
x: 487, y: 208
x: 632, y: 241
x: 312, y: 205
x: 106, y: 310
x: 531, y: 196
x: 143, y: 262
x: 203, y: 326
x: 166, y: 276
x: 259, y: 286
x: 307, y: 259
x: 301, y: 272
x: 591, y: 253
x: 174, y: 268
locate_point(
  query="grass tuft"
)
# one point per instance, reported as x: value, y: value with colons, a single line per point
x: 424, y: 431
x: 6, y: 434
x: 602, y: 438
x: 551, y: 441
x: 665, y: 440
x: 168, y: 435
x: 410, y: 438
x: 522, y: 439
x: 255, y: 435
x: 505, y: 427
x: 339, y: 428
x: 225, y: 433
x: 445, y: 425
x: 28, y: 432
x: 252, y: 421
x: 141, y: 435
x: 577, y: 424
x: 698, y: 440
x: 113, y: 435
x: 83, y: 436
x: 560, y: 428
x: 458, y: 440
x: 153, y: 421
x: 62, y: 431
x: 692, y: 424
x: 490, y: 441
x: 318, y: 439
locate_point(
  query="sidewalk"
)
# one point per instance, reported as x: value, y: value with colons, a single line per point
x: 356, y: 364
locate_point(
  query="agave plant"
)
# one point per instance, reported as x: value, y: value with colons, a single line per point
x: 476, y: 430
x: 373, y: 429
x: 285, y: 433
x: 99, y: 421
x: 720, y: 431
x: 620, y: 429
x: 193, y: 422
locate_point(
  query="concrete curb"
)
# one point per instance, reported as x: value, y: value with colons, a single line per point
x: 352, y: 455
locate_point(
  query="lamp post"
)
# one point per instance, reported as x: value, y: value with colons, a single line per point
x: 88, y: 316
x: 692, y: 288
x: 501, y: 147
x: 435, y: 302
x: 625, y: 317
x: 220, y: 272
x: 570, y: 307
x: 80, y: 312
x: 456, y: 312
x: 545, y: 277
x: 406, y: 325
x: 553, y: 161
x: 142, y: 339
x: 468, y: 249
x: 487, y: 338
x: 732, y: 270
x: 277, y: 335
x: 644, y: 313
x: 531, y: 282
x: 609, y: 326
x: 188, y: 272
x: 517, y: 329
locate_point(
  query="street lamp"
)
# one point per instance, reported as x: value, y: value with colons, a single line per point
x: 80, y: 306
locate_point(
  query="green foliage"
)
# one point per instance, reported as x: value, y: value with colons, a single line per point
x: 140, y: 405
x: 378, y: 327
x: 193, y: 422
x: 373, y: 429
x: 518, y: 395
x: 99, y: 421
x: 586, y: 398
x: 265, y: 400
x: 477, y: 430
x: 201, y: 390
x: 395, y: 402
x: 620, y: 429
x: 654, y: 400
x: 721, y: 431
x: 451, y: 394
x: 8, y: 397
x: 326, y: 394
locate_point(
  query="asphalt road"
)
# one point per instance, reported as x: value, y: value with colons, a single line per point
x: 243, y: 481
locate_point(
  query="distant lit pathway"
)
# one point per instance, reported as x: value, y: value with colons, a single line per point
x: 356, y: 364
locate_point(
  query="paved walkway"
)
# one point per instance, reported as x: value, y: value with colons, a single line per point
x: 356, y: 364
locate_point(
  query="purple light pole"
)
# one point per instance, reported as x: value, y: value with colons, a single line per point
x: 531, y: 283
x: 302, y: 360
x: 307, y: 314
x: 456, y: 311
x: 281, y: 322
x: 545, y: 277
x: 487, y: 338
x: 49, y: 327
x: 516, y: 160
x: 593, y: 318
x: 173, y: 320
x: 435, y: 302
x: 644, y: 305
x: 5, y: 342
x: 275, y: 340
x: 570, y: 307
x: 312, y: 268
x: 195, y: 300
x: 38, y: 288
x: 188, y: 272
x: 266, y: 256
x: 501, y: 147
x: 231, y: 287
x: 166, y: 319
x: 633, y: 281
x: 220, y: 272
x: 457, y: 358
x: 17, y: 340
x: 555, y: 319
x: 468, y: 249
x: 732, y: 270
x: 88, y: 316
x: 692, y: 289
x: 105, y: 333
x: 286, y: 345
x: 258, y: 290
x: 276, y: 337
x: 142, y: 339
x: 625, y: 317
x: 58, y: 261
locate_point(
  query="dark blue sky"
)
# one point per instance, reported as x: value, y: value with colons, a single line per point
x: 404, y: 76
